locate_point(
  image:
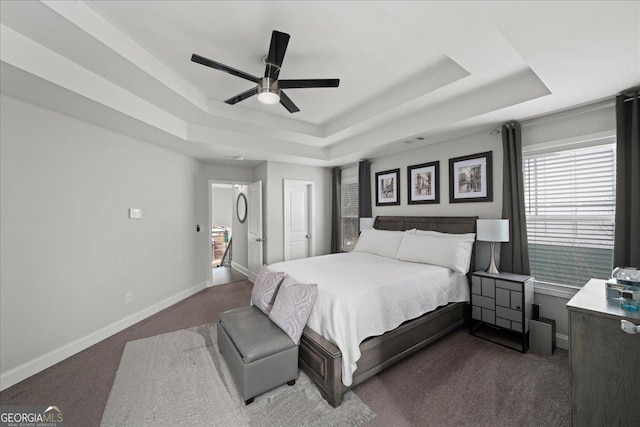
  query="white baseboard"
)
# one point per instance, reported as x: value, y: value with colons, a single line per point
x: 562, y: 341
x: 241, y: 269
x: 32, y: 367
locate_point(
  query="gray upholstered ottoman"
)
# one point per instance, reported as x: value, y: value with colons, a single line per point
x: 260, y: 355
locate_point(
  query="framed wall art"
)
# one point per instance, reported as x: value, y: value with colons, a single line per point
x: 471, y: 178
x: 423, y: 183
x: 388, y: 187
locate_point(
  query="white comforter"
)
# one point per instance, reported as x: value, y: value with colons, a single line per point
x: 361, y: 295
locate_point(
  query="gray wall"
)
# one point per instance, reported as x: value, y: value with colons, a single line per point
x: 68, y: 252
x: 571, y: 124
x: 471, y: 144
x: 273, y: 202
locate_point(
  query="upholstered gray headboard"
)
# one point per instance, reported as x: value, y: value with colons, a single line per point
x: 443, y: 224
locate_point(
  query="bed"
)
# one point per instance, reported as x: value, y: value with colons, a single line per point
x: 335, y: 371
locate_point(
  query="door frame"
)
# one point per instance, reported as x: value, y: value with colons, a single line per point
x: 311, y: 214
x: 209, y: 275
x: 255, y: 241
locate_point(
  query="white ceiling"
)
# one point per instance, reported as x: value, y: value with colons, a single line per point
x: 431, y: 69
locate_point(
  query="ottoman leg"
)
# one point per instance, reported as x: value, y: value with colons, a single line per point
x: 248, y: 401
x: 292, y: 382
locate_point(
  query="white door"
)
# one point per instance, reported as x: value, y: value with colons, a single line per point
x: 297, y: 219
x: 254, y: 229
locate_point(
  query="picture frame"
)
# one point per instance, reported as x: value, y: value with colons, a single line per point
x: 423, y: 183
x: 388, y: 187
x: 471, y: 178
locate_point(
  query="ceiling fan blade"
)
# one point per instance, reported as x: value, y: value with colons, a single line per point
x: 218, y: 66
x: 242, y: 96
x: 288, y: 103
x: 277, y: 49
x: 300, y: 84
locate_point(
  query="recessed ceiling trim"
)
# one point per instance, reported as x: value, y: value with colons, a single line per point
x: 521, y: 87
x: 25, y: 54
x: 226, y: 138
x: 435, y: 77
x: 94, y: 25
x: 81, y: 15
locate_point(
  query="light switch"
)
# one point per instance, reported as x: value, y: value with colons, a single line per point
x: 135, y: 213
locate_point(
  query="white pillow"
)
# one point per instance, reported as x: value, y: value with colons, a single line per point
x: 454, y: 254
x: 379, y: 242
x: 464, y: 236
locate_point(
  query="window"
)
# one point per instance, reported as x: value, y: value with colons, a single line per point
x: 349, y: 223
x: 570, y: 204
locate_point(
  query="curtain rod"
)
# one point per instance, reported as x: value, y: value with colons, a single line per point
x: 560, y: 114
x: 355, y: 164
x: 571, y: 111
x: 632, y: 92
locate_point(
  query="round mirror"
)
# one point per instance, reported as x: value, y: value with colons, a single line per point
x: 241, y: 208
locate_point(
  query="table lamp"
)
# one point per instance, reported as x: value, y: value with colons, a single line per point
x: 492, y: 231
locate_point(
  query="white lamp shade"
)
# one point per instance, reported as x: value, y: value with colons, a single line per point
x: 366, y: 223
x: 493, y: 230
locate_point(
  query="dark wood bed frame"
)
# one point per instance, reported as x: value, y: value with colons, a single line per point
x: 321, y: 360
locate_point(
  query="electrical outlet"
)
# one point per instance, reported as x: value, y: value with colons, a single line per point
x: 127, y: 298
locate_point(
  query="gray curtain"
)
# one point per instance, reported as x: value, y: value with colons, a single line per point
x: 514, y: 254
x: 336, y: 177
x: 626, y: 247
x: 364, y: 189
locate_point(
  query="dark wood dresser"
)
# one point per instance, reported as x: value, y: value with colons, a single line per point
x: 604, y: 361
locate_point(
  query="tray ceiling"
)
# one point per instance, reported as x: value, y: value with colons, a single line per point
x: 431, y: 69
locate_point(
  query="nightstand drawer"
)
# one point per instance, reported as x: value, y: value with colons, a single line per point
x: 503, y: 300
x: 476, y: 285
x: 508, y: 285
x: 484, y: 302
x: 488, y: 287
x: 516, y: 300
x: 488, y: 316
x: 507, y: 313
x: 503, y: 297
x: 509, y: 299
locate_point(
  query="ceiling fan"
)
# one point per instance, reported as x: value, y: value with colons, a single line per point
x: 269, y: 88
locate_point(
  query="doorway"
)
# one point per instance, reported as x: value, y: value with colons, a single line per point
x: 298, y: 219
x: 221, y: 224
x: 240, y: 215
x: 228, y: 236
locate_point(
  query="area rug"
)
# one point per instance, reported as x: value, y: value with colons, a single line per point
x: 179, y: 378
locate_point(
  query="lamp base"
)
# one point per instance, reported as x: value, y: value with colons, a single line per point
x: 492, y: 263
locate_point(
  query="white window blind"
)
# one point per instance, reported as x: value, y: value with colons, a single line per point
x: 349, y: 224
x: 570, y: 208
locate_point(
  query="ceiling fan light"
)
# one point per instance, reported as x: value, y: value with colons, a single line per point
x: 268, y: 91
x: 269, y: 97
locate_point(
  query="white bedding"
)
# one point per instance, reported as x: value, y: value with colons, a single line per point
x: 361, y: 295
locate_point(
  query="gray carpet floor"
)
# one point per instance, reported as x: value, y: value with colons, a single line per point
x: 180, y: 378
x: 459, y: 380
x: 462, y: 380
